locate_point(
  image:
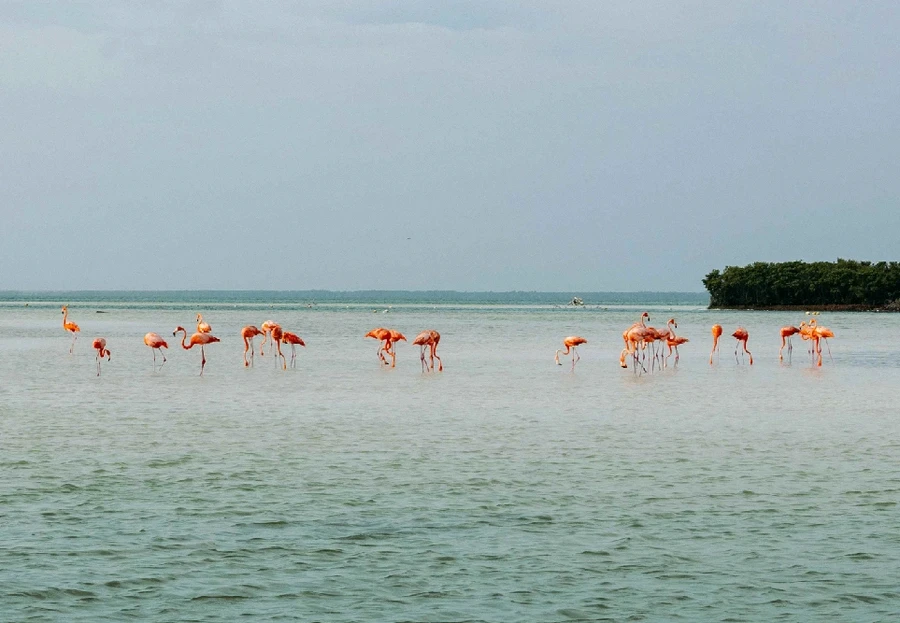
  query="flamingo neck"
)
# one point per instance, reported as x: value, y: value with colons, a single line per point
x: 183, y: 338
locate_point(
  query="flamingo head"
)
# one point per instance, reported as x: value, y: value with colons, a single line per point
x: 672, y: 322
x: 177, y: 329
x: 64, y: 308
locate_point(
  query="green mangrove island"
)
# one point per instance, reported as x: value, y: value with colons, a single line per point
x: 844, y: 285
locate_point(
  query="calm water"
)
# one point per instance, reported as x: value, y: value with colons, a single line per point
x: 504, y: 489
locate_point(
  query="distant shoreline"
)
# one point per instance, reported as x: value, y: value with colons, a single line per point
x: 813, y: 308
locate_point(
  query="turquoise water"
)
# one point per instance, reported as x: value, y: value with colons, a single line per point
x: 506, y: 488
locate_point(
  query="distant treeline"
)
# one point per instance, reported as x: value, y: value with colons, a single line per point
x: 844, y: 284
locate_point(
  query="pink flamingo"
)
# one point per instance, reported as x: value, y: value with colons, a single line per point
x: 786, y: 333
x: 102, y: 351
x: 294, y: 340
x: 716, y: 333
x: 198, y: 338
x: 382, y: 335
x: 741, y: 335
x: 396, y: 336
x: 570, y: 343
x: 70, y: 326
x: 429, y: 338
x: 248, y: 333
x: 156, y: 343
x: 202, y: 327
x: 266, y: 327
x: 277, y: 334
x: 637, y: 335
x: 674, y: 341
x: 821, y: 333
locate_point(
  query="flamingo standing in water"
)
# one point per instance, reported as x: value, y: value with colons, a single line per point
x: 266, y: 327
x: 636, y: 336
x: 202, y: 327
x: 786, y: 333
x: 277, y: 334
x: 429, y: 338
x: 716, y: 333
x: 674, y: 341
x: 822, y: 333
x: 388, y: 337
x: 102, y: 351
x: 741, y: 335
x: 384, y: 336
x: 156, y: 343
x: 248, y: 333
x: 396, y: 336
x: 71, y: 327
x: 293, y: 339
x: 570, y: 343
x: 198, y: 338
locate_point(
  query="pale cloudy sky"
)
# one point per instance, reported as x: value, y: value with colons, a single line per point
x: 467, y: 145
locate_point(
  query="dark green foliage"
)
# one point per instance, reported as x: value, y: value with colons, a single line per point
x: 769, y: 284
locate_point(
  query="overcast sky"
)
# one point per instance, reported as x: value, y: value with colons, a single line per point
x: 467, y: 145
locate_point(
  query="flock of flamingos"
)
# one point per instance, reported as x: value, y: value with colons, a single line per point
x: 643, y: 343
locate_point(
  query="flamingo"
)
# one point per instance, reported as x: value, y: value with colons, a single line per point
x: 293, y: 339
x: 71, y: 327
x: 786, y: 333
x: 198, y: 338
x: 654, y: 335
x: 637, y: 334
x: 822, y: 333
x: 277, y: 334
x: 396, y: 336
x: 382, y: 335
x: 741, y: 335
x: 248, y: 333
x: 429, y: 338
x: 674, y: 341
x: 716, y: 333
x: 570, y: 343
x: 266, y: 327
x: 102, y: 351
x: 808, y: 333
x: 156, y: 343
x: 202, y: 327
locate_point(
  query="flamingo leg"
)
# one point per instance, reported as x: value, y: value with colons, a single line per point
x: 434, y: 356
x: 162, y: 354
x: 98, y: 364
x: 202, y: 359
x: 293, y: 356
x: 422, y: 357
x: 153, y: 350
x: 72, y: 347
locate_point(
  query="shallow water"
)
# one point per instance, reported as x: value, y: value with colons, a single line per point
x: 505, y: 488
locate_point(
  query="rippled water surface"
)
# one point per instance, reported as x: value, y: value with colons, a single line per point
x: 506, y: 488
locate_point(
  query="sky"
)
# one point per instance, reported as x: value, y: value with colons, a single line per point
x: 570, y: 146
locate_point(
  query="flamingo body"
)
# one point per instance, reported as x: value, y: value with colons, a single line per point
x: 202, y: 327
x: 99, y: 344
x: 294, y: 340
x: 156, y: 343
x: 570, y: 343
x: 247, y: 334
x: 741, y: 335
x: 429, y: 338
x: 201, y: 339
x: 70, y: 326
